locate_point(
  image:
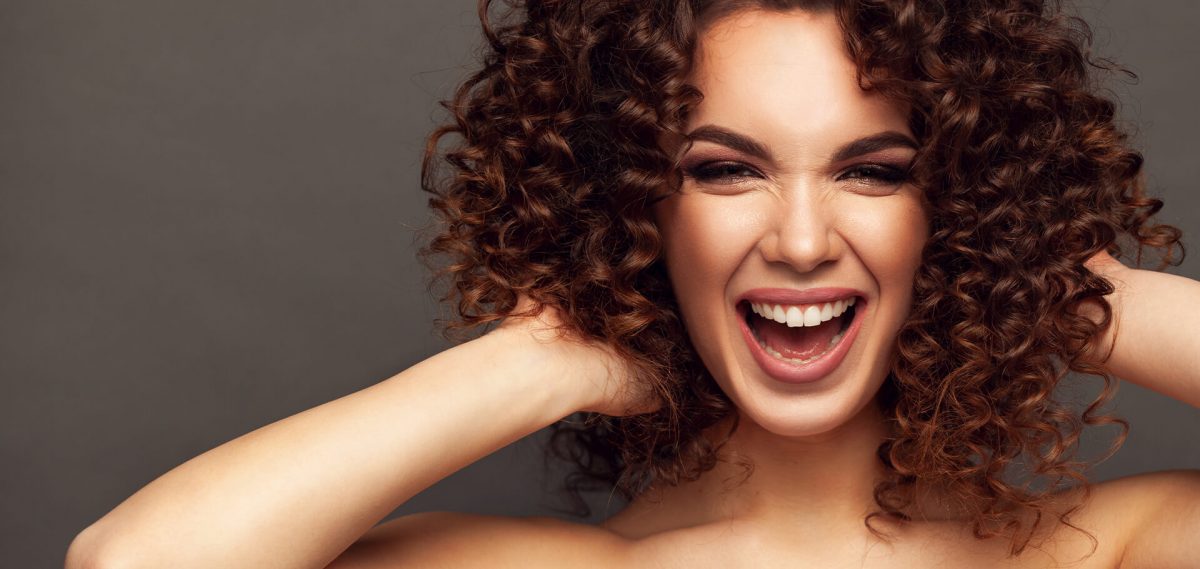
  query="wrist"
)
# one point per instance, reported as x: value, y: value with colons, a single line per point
x: 543, y: 366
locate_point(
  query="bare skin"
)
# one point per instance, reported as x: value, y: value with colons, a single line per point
x: 1148, y: 520
x: 305, y: 491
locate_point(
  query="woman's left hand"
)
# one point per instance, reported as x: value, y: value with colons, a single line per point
x: 1155, y: 334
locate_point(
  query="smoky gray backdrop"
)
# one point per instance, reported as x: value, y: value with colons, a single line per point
x: 208, y: 216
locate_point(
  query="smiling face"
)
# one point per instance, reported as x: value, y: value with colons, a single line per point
x: 794, y: 195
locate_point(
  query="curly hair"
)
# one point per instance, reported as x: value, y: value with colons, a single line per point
x: 1027, y: 172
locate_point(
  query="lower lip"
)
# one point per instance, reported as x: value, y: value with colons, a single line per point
x: 810, y: 372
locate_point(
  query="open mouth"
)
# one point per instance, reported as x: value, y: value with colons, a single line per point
x: 799, y: 335
x: 801, y: 343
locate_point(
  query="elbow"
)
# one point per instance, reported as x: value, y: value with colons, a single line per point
x: 81, y: 554
x: 88, y: 551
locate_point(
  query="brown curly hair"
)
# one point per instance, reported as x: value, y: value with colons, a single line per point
x: 1026, y: 170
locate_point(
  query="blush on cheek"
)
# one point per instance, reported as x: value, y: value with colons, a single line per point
x: 889, y: 235
x: 706, y: 238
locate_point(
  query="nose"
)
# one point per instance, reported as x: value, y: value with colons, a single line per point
x: 802, y: 232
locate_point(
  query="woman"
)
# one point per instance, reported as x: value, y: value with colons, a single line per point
x: 811, y: 269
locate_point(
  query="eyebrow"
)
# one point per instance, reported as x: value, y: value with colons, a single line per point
x: 747, y: 145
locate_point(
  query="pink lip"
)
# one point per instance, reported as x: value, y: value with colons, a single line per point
x: 786, y: 372
x: 792, y: 296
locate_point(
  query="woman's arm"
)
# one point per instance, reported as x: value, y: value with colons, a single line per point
x: 298, y: 492
x: 1157, y: 317
x: 1156, y: 327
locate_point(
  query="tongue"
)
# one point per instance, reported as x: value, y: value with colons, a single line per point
x: 800, y: 343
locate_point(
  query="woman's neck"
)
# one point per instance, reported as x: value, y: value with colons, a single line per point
x: 825, y: 481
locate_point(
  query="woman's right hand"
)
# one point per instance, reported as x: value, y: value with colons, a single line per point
x: 590, y: 365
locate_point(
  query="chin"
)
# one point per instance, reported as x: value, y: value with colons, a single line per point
x: 803, y: 415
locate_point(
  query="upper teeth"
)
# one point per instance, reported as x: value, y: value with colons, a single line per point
x: 802, y: 315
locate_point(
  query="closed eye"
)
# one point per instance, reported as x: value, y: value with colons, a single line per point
x: 876, y: 174
x: 721, y: 171
x: 728, y: 172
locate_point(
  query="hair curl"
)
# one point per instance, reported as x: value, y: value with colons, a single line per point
x: 1027, y: 173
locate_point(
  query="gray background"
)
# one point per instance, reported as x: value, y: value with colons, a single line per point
x: 207, y: 215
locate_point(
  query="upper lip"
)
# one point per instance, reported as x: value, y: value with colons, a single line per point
x: 794, y: 296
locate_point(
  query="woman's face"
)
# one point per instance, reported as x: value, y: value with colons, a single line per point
x: 794, y: 195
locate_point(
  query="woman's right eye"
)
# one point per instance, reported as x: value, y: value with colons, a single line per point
x: 727, y: 172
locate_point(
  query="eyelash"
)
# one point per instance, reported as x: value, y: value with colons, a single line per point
x: 884, y: 175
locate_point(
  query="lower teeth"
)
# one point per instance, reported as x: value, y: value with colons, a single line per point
x: 832, y: 342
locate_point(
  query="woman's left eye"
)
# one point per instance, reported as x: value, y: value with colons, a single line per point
x: 876, y: 174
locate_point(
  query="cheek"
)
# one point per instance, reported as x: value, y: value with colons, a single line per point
x: 889, y: 238
x: 705, y: 238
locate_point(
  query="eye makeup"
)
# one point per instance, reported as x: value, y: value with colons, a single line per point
x: 713, y: 170
x: 730, y: 171
x: 882, y: 174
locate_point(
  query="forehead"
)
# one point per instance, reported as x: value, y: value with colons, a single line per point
x: 785, y: 74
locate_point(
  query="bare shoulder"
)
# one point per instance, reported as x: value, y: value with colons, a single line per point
x: 451, y: 539
x: 1153, y: 517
